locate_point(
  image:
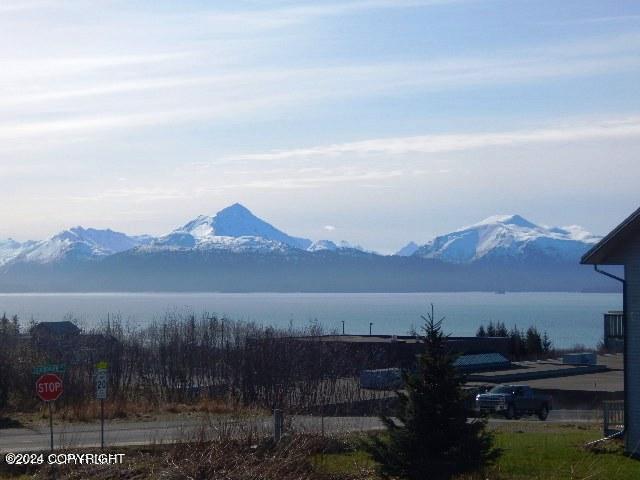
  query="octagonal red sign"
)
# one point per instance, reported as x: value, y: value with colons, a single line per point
x: 49, y: 387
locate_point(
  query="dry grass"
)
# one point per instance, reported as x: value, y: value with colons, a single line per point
x: 291, y: 459
x: 138, y: 410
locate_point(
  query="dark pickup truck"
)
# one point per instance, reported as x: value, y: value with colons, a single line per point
x: 513, y: 401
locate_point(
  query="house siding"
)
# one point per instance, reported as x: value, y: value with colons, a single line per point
x: 615, y: 258
x: 632, y: 276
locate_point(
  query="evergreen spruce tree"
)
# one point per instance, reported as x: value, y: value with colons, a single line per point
x: 501, y: 330
x: 481, y: 332
x: 491, y: 329
x: 518, y: 346
x: 546, y: 343
x: 533, y: 341
x: 432, y: 438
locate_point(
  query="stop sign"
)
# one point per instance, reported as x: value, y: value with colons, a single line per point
x: 49, y: 387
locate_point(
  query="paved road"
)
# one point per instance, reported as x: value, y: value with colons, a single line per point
x: 168, y: 431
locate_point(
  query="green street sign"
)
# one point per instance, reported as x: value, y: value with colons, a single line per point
x: 51, y: 368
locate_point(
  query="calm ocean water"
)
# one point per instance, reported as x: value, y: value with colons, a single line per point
x: 569, y: 318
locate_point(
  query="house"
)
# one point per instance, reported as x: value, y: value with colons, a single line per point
x: 64, y: 342
x: 55, y: 329
x: 622, y: 247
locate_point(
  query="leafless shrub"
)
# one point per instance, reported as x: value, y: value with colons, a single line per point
x: 290, y: 459
x: 182, y: 361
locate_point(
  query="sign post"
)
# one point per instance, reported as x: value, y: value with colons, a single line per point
x: 49, y: 388
x: 101, y: 394
x: 50, y: 424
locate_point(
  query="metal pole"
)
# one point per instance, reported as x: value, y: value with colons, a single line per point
x: 343, y: 327
x: 277, y: 424
x: 102, y: 424
x: 370, y: 325
x: 51, y: 425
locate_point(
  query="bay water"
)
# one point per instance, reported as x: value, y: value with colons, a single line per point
x: 568, y: 318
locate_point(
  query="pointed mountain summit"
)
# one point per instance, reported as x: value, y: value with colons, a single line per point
x: 514, y: 220
x: 509, y: 238
x: 408, y: 250
x: 235, y: 221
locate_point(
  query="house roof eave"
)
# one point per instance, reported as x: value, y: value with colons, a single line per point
x: 599, y: 254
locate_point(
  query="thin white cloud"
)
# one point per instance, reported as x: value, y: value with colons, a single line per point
x: 330, y: 177
x: 76, y: 126
x: 16, y: 69
x: 14, y: 131
x: 429, y: 144
x: 299, y: 14
x: 587, y: 20
x: 606, y: 55
x: 135, y: 194
x: 16, y: 7
x: 241, y: 93
x: 201, y: 184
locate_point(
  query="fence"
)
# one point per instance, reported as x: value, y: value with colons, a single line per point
x: 613, y: 417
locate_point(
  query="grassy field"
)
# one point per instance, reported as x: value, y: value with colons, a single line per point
x: 530, y: 451
x: 538, y: 452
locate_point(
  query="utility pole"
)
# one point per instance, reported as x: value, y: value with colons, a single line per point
x: 370, y: 325
x: 342, y: 327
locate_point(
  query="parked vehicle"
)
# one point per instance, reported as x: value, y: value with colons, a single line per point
x: 514, y: 401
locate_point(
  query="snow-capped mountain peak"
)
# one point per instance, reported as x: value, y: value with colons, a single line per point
x: 234, y: 221
x: 515, y: 220
x: 76, y: 242
x: 508, y: 237
x: 200, y: 228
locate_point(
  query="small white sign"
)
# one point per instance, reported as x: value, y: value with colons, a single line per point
x: 101, y: 384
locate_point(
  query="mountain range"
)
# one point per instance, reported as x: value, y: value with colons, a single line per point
x: 234, y: 250
x: 506, y: 238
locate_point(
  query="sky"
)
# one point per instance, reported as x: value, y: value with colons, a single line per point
x: 373, y: 121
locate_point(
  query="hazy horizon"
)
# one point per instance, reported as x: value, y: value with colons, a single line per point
x: 372, y: 121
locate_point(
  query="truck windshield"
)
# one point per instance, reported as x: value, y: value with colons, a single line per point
x: 501, y: 389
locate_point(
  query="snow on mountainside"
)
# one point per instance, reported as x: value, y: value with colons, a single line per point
x: 75, y: 243
x: 509, y: 237
x: 236, y: 229
x: 233, y: 222
x: 328, y: 245
x: 245, y: 243
x: 9, y: 249
x: 185, y: 241
x: 320, y: 245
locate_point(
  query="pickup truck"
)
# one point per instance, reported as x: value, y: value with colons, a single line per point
x: 513, y: 401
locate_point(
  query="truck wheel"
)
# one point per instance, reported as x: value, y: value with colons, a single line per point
x: 511, y: 412
x: 543, y: 413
